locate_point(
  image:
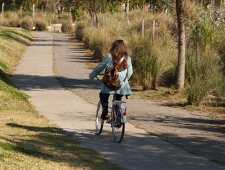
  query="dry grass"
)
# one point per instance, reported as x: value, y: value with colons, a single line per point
x: 169, y: 96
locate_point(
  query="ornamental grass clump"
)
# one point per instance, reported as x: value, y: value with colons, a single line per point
x: 151, y: 61
x: 40, y: 25
x: 204, y: 77
x: 66, y: 20
x: 80, y: 30
x: 26, y: 23
x: 98, y: 41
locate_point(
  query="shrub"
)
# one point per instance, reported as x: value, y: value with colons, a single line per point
x: 67, y: 26
x: 77, y: 14
x: 204, y: 77
x: 13, y: 22
x: 26, y: 23
x: 40, y: 25
x: 220, y: 44
x: 66, y: 17
x: 98, y: 41
x: 151, y: 60
x: 3, y: 22
x: 80, y: 31
x: 208, y: 31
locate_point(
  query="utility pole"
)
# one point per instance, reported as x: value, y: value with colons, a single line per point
x: 143, y: 28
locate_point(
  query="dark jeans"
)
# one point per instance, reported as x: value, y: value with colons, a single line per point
x: 104, y: 97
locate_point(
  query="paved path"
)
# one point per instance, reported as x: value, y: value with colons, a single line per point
x: 140, y: 150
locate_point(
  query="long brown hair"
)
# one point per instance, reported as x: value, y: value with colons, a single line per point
x: 118, y: 50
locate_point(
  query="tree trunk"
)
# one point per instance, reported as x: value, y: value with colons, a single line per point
x: 181, y: 46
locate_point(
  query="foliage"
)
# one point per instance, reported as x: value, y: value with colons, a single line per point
x: 150, y: 62
x: 40, y: 25
x: 66, y: 21
x: 80, y: 31
x: 97, y: 40
x: 219, y: 44
x: 204, y: 78
x: 77, y: 14
x: 26, y: 23
x: 208, y: 31
x: 67, y: 26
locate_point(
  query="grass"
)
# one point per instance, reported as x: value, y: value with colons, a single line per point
x: 27, y: 139
x: 170, y: 97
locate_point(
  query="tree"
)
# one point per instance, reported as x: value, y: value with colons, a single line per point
x: 181, y: 45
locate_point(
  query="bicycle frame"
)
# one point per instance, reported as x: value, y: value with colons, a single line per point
x: 117, y: 119
x: 121, y: 109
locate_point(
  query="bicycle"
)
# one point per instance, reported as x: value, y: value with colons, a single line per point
x: 117, y: 119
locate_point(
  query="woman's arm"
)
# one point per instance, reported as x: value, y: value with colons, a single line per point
x: 101, y: 66
x: 130, y: 68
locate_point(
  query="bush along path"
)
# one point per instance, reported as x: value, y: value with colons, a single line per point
x: 195, y: 132
x: 140, y: 150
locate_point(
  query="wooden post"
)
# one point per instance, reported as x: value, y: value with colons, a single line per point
x: 127, y: 6
x: 143, y: 28
x: 33, y: 11
x: 198, y: 45
x: 3, y: 5
x: 153, y: 30
x: 113, y: 12
x: 21, y: 9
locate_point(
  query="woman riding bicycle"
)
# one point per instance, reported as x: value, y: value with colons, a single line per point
x: 118, y: 57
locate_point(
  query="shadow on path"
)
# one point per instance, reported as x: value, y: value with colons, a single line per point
x: 30, y: 82
x: 68, y: 151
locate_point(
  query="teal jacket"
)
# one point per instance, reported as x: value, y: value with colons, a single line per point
x: 107, y: 63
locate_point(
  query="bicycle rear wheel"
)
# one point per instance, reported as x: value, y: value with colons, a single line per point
x: 99, y: 123
x: 118, y: 129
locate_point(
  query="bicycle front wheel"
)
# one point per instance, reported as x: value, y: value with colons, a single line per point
x: 98, y: 121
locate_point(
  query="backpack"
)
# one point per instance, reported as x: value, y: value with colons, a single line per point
x: 111, y: 77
